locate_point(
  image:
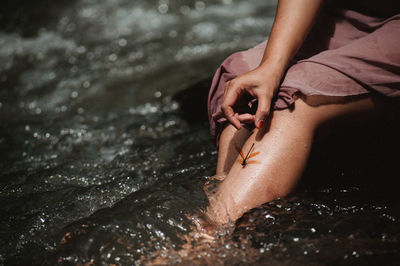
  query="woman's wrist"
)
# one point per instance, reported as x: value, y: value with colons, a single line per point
x: 274, y: 67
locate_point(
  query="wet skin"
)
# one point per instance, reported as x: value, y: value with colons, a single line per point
x: 284, y: 145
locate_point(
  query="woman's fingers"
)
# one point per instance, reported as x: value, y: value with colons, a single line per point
x: 264, y: 104
x: 245, y: 118
x: 237, y: 88
x: 227, y: 108
x: 230, y: 116
x: 231, y: 95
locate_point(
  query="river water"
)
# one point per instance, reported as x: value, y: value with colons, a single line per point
x: 104, y: 145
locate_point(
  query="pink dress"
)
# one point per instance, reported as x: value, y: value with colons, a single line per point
x: 346, y: 54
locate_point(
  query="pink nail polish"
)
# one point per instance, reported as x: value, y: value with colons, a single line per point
x: 260, y: 123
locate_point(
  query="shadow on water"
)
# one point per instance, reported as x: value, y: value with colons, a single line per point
x: 193, y: 100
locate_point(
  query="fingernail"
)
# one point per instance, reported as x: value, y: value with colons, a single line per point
x: 260, y: 123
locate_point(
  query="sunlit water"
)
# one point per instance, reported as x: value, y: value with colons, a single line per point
x: 100, y: 163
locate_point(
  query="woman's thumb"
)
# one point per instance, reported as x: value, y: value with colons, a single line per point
x: 262, y: 112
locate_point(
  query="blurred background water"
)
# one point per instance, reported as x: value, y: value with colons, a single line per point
x: 104, y: 144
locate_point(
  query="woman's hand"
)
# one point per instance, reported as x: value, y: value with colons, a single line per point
x: 261, y: 84
x: 293, y: 20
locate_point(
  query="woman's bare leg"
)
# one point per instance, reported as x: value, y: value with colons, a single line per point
x: 284, y: 145
x: 227, y: 153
